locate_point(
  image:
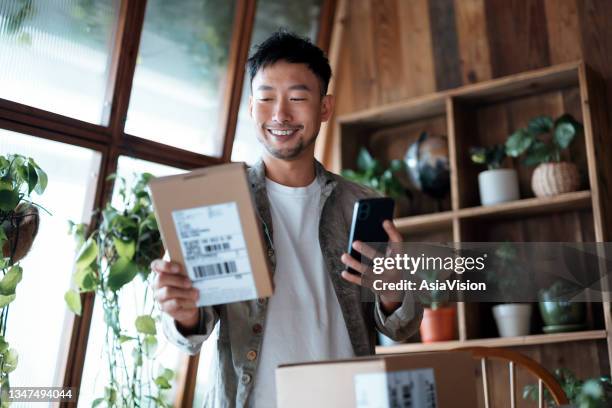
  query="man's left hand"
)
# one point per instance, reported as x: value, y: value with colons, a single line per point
x: 364, y: 275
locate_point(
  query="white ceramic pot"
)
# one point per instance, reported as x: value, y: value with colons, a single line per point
x: 512, y: 319
x: 498, y: 186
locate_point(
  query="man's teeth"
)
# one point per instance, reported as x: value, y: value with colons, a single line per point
x: 281, y: 132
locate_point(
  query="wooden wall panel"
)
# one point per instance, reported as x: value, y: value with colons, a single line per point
x: 472, y: 40
x: 385, y: 26
x: 517, y: 34
x: 359, y: 38
x: 563, y: 30
x: 416, y: 55
x: 445, y: 45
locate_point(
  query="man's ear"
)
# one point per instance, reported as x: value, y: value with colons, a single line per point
x: 327, y: 107
x: 251, y: 105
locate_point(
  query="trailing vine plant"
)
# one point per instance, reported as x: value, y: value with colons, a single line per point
x: 20, y: 176
x: 119, y: 251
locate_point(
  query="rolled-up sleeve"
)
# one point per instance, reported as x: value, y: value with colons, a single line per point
x: 190, y: 344
x: 403, y: 322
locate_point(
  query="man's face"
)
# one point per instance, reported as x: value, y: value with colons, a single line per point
x: 287, y: 107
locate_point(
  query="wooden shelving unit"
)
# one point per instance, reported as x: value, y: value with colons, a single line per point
x: 485, y: 114
x: 531, y: 340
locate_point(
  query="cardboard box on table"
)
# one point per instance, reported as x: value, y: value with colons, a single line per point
x: 209, y: 224
x: 400, y: 380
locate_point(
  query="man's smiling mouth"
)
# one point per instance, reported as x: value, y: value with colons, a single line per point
x: 282, y: 133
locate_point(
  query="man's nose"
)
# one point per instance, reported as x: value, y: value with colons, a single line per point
x: 282, y: 113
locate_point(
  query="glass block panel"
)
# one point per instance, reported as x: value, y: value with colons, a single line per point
x: 298, y: 16
x: 56, y: 55
x: 181, y: 74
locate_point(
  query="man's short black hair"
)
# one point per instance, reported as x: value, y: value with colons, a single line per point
x: 290, y: 47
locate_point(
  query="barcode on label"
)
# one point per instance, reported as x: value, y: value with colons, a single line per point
x: 223, y: 268
x: 216, y: 247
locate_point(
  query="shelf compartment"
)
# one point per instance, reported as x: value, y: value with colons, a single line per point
x: 425, y: 222
x: 577, y: 200
x: 533, y: 339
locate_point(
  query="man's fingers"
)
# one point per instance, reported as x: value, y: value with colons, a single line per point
x: 167, y: 293
x: 176, y: 306
x: 351, y: 277
x: 392, y: 232
x: 167, y: 279
x: 366, y: 250
x: 354, y: 264
x: 161, y: 266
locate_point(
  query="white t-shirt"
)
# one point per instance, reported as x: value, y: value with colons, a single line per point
x: 304, y: 321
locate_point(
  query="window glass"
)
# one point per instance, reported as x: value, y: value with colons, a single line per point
x: 95, y: 372
x: 56, y: 55
x: 39, y: 321
x: 298, y: 16
x: 181, y: 74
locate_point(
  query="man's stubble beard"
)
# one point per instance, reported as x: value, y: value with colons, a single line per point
x: 292, y: 153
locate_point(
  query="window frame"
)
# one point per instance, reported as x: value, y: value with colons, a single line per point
x: 111, y: 141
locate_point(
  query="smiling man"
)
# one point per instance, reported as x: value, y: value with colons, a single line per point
x: 316, y: 312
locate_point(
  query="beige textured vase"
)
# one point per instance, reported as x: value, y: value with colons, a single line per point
x: 555, y: 178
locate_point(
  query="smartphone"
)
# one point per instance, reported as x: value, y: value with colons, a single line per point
x: 367, y: 224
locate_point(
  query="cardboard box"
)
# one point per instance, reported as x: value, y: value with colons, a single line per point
x: 208, y: 224
x: 420, y: 380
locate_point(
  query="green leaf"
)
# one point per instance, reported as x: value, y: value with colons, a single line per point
x: 6, y: 185
x: 85, y: 279
x: 110, y: 395
x: 32, y: 178
x: 73, y: 300
x: 162, y: 383
x: 11, y: 359
x: 88, y: 253
x: 9, y: 199
x: 539, y: 152
x: 6, y: 299
x: 137, y: 356
x: 167, y: 374
x: 146, y: 325
x: 41, y: 186
x: 97, y: 402
x: 540, y: 124
x: 121, y: 272
x: 150, y: 345
x: 565, y: 131
x: 397, y: 165
x: 125, y: 249
x: 519, y: 142
x: 478, y: 155
x: 123, y: 338
x: 10, y: 280
x: 3, y: 345
x: 365, y: 161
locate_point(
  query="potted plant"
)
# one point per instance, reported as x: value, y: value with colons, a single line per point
x: 589, y: 393
x: 512, y: 319
x: 552, y: 175
x: 20, y: 176
x: 558, y: 314
x: 371, y: 173
x: 496, y: 185
x: 118, y: 252
x: 439, y: 319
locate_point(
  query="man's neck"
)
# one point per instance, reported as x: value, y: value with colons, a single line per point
x: 293, y: 173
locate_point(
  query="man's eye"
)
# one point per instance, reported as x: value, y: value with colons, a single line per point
x: 297, y: 99
x: 264, y: 99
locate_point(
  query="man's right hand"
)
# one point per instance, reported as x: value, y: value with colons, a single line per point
x: 175, y: 294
